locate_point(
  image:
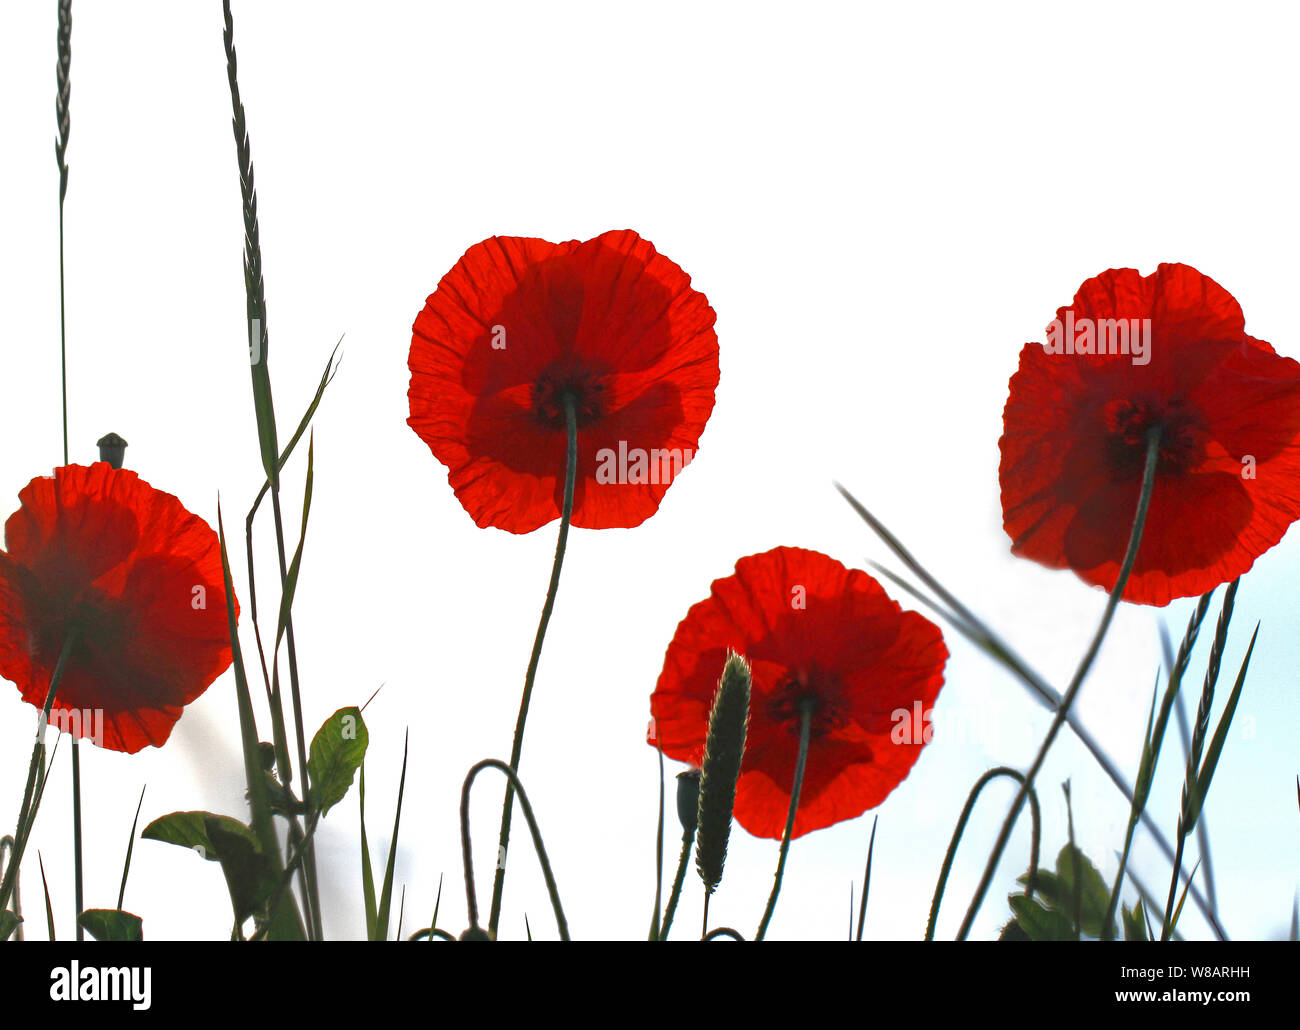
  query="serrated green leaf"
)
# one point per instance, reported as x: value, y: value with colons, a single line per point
x: 1057, y: 890
x: 1040, y: 923
x: 1013, y: 931
x: 110, y: 924
x: 337, y: 752
x: 189, y: 830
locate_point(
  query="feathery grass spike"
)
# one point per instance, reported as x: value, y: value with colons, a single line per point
x: 724, y: 748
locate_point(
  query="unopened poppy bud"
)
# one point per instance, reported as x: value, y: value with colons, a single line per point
x: 476, y: 933
x: 688, y: 799
x: 112, y: 449
x: 724, y: 748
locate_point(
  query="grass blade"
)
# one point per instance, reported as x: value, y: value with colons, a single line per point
x: 866, y: 881
x: 130, y: 844
x: 49, y: 908
x: 386, y: 895
x: 1220, y: 735
x: 367, y: 874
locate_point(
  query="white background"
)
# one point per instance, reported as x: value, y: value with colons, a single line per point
x: 882, y: 203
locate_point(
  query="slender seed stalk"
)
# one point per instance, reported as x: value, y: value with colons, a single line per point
x: 688, y: 840
x: 805, y: 733
x: 516, y: 750
x: 1067, y: 701
x: 62, y: 102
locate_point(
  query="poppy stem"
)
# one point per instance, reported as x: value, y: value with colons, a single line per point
x: 1067, y: 700
x: 31, y: 793
x: 688, y: 838
x: 471, y: 896
x: 805, y: 734
x: 960, y: 829
x: 60, y: 152
x: 77, y: 890
x: 566, y: 516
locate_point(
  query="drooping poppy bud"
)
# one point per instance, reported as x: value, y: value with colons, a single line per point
x: 112, y: 449
x: 688, y: 799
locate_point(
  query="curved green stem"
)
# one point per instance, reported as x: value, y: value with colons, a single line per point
x: 1067, y: 700
x: 566, y: 515
x: 722, y: 931
x: 957, y: 832
x: 471, y: 897
x: 805, y: 733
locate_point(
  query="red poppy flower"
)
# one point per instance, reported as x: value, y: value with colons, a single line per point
x: 1132, y: 352
x: 810, y: 629
x: 99, y: 553
x: 519, y: 324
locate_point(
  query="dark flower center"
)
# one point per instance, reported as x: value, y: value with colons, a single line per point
x: 583, y: 386
x: 815, y: 690
x: 1183, y: 436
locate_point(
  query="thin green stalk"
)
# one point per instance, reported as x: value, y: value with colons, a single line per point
x: 1067, y: 701
x: 62, y: 108
x: 805, y: 734
x: 7, y: 845
x: 688, y: 840
x: 470, y: 894
x: 570, y: 477
x: 960, y: 829
x: 309, y: 858
x: 76, y: 838
x: 31, y: 796
x: 657, y: 919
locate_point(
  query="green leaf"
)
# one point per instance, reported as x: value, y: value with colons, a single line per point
x: 111, y: 924
x: 250, y: 876
x: 8, y: 923
x: 1135, y: 927
x: 337, y: 752
x: 1040, y: 923
x: 1057, y: 890
x: 1013, y: 931
x: 285, y: 924
x: 189, y: 830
